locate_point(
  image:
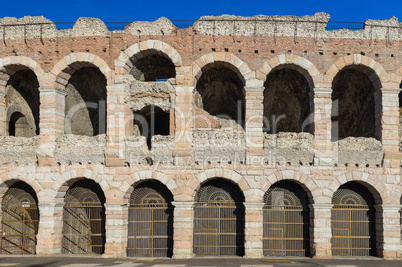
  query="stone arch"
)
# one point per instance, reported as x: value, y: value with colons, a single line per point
x: 313, y: 191
x: 372, y: 182
x: 18, y: 108
x: 135, y: 178
x: 5, y: 184
x: 299, y: 64
x: 62, y: 184
x: 227, y: 60
x: 123, y: 64
x: 375, y: 72
x: 230, y: 175
x: 11, y: 64
x: 63, y: 69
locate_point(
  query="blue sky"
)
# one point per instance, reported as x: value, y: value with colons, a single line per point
x: 127, y: 11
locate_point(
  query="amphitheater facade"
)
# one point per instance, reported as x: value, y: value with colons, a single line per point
x: 236, y: 136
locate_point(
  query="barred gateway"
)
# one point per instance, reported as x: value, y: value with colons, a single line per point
x: 286, y: 221
x: 83, y: 219
x: 150, y: 221
x: 264, y: 136
x: 20, y: 219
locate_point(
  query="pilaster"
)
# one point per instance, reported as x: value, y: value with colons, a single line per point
x: 2, y: 113
x: 253, y: 230
x: 116, y: 230
x: 321, y: 230
x: 183, y: 229
x: 50, y: 229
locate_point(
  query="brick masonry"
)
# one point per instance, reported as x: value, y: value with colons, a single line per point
x: 315, y: 53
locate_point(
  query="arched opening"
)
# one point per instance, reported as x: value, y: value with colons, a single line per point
x: 18, y: 125
x: 22, y: 90
x: 153, y: 67
x: 219, y: 219
x: 353, y: 221
x: 286, y: 102
x: 286, y: 221
x: 20, y: 220
x: 220, y: 92
x: 353, y: 106
x: 150, y: 121
x: 84, y: 219
x: 150, y: 221
x: 86, y: 103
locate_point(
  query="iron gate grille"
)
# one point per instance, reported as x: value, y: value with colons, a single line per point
x: 218, y: 229
x: 83, y: 220
x: 353, y: 230
x: 20, y: 220
x: 284, y: 232
x: 19, y: 228
x: 150, y: 231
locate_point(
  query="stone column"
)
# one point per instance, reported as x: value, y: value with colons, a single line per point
x: 322, y: 103
x: 115, y: 128
x: 320, y: 233
x: 50, y: 229
x: 389, y: 125
x: 388, y: 230
x: 253, y: 230
x: 3, y: 114
x: 254, y: 124
x: 116, y: 230
x: 51, y: 122
x: 183, y: 151
x: 183, y: 223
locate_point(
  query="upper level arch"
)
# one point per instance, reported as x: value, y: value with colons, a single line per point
x: 299, y: 64
x: 124, y: 63
x: 68, y: 65
x: 11, y: 64
x: 375, y: 72
x: 223, y: 59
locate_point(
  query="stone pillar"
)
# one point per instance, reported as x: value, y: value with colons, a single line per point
x: 388, y: 231
x: 51, y: 122
x: 322, y: 104
x: 183, y: 222
x: 254, y: 124
x: 3, y: 114
x: 50, y: 229
x: 320, y: 233
x: 116, y: 230
x: 115, y: 128
x: 183, y: 151
x: 253, y: 230
x: 389, y: 125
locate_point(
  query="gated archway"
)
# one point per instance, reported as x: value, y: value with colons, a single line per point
x: 150, y: 221
x: 353, y: 221
x: 219, y: 219
x: 84, y: 219
x: 286, y: 220
x: 20, y: 220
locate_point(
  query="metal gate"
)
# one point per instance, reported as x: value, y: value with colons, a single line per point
x: 353, y: 225
x: 83, y: 221
x: 150, y: 224
x: 20, y: 220
x: 285, y: 222
x: 219, y: 220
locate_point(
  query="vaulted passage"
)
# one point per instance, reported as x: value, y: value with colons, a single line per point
x: 150, y: 121
x: 353, y: 221
x: 219, y: 219
x: 220, y: 92
x: 23, y: 104
x: 150, y: 221
x: 153, y: 67
x: 286, y: 221
x: 84, y: 219
x: 20, y: 220
x: 286, y: 102
x: 86, y: 103
x: 352, y: 105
